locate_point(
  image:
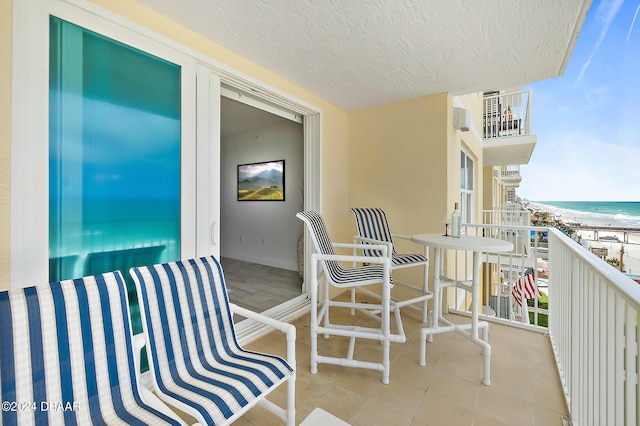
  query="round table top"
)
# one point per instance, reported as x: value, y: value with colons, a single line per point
x: 464, y: 242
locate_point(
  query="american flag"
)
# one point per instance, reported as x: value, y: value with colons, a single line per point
x: 525, y: 288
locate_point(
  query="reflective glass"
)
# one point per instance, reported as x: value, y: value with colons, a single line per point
x: 114, y: 157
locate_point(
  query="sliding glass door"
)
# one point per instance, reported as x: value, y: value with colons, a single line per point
x: 114, y: 157
x: 114, y: 151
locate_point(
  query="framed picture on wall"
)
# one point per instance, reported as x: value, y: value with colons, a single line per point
x: 261, y: 181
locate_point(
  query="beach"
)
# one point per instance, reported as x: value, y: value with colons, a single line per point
x: 613, y: 216
x: 631, y: 257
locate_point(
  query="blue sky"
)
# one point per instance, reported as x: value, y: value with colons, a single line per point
x: 588, y: 120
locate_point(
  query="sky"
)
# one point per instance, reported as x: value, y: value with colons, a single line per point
x: 588, y: 120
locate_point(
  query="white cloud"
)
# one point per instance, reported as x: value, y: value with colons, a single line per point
x: 633, y: 21
x: 580, y: 167
x: 606, y: 12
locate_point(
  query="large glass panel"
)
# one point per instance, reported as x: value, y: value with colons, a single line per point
x: 114, y: 157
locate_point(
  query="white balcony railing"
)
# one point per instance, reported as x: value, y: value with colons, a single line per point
x: 512, y: 170
x: 507, y: 114
x: 510, y: 214
x: 502, y: 272
x: 592, y: 317
x: 593, y: 325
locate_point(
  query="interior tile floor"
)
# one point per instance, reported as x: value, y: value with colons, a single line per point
x: 259, y: 287
x: 525, y: 388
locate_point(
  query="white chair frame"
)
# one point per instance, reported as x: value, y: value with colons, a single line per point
x: 378, y: 272
x: 377, y: 226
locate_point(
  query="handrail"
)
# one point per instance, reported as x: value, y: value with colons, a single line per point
x: 623, y: 284
x: 593, y: 326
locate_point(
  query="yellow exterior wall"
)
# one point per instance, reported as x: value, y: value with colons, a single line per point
x: 5, y: 140
x: 488, y: 196
x: 471, y: 143
x: 485, y: 198
x: 398, y: 160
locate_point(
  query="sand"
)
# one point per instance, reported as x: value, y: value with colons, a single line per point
x: 631, y: 258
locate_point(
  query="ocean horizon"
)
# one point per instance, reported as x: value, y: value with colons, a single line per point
x: 595, y: 213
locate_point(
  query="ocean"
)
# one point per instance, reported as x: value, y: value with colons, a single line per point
x: 596, y: 213
x: 99, y: 227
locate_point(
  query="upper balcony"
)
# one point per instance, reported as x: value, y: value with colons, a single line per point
x: 507, y: 128
x: 510, y: 176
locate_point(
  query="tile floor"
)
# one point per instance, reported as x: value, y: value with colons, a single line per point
x: 259, y: 287
x: 525, y: 388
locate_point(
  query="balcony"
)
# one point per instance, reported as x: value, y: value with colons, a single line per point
x: 525, y: 388
x: 507, y: 135
x: 588, y: 309
x: 510, y: 176
x: 576, y: 359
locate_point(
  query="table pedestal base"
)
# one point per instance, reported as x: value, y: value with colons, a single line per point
x: 483, y: 341
x: 477, y: 245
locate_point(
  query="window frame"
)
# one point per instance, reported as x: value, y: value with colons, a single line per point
x: 467, y: 187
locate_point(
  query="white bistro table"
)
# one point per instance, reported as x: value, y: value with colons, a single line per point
x: 437, y: 322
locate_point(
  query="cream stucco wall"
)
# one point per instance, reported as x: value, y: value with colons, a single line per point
x: 5, y: 139
x: 403, y: 157
x: 398, y: 160
x: 471, y: 143
x: 488, y: 196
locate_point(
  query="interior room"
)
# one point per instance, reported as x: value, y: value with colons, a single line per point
x: 259, y: 238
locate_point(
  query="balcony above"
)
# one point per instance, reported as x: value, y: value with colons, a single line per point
x: 507, y: 137
x: 510, y: 176
x: 508, y: 150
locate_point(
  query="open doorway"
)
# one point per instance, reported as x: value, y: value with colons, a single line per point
x: 258, y: 239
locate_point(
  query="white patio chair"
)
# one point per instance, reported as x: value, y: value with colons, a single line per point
x: 373, y: 228
x: 378, y: 271
x: 196, y: 362
x: 68, y: 356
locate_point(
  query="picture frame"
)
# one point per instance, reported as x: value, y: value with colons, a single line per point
x: 263, y: 181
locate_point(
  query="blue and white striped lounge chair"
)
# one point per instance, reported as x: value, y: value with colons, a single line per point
x: 373, y: 228
x: 196, y: 362
x: 67, y: 356
x: 377, y: 271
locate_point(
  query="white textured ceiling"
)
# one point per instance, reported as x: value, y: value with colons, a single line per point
x: 361, y: 53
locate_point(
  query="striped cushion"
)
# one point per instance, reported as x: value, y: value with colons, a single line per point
x: 372, y: 224
x: 338, y: 274
x: 407, y: 259
x: 67, y: 350
x: 195, y: 359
